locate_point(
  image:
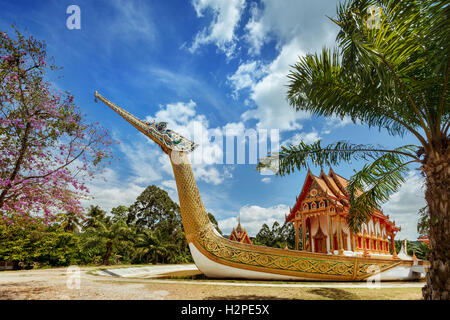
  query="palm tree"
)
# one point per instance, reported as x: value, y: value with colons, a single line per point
x: 390, y: 70
x: 71, y: 222
x: 151, y: 244
x: 146, y: 244
x: 95, y: 214
x: 110, y: 234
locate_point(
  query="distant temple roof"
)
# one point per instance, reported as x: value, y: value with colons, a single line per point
x: 424, y: 239
x: 240, y: 235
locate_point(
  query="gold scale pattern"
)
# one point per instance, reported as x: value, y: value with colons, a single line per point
x: 278, y: 261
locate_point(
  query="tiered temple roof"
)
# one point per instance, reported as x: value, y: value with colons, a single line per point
x: 239, y: 234
x: 334, y: 186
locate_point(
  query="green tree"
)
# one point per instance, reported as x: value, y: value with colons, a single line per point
x: 71, y: 222
x: 392, y: 75
x: 94, y: 215
x: 153, y: 209
x: 108, y: 235
x: 287, y: 234
x: 119, y: 213
x: 30, y: 242
x: 264, y: 236
x: 150, y: 245
x: 421, y: 250
x: 423, y: 226
x: 279, y: 236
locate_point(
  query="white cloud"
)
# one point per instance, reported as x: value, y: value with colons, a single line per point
x: 109, y: 191
x: 403, y: 206
x: 306, y: 137
x: 221, y: 31
x: 253, y: 217
x: 269, y: 94
x: 291, y: 19
x: 171, y: 184
x: 133, y: 20
x: 256, y: 34
x: 289, y: 24
x: 266, y: 180
x: 336, y: 122
x: 171, y: 187
x: 140, y: 156
x: 246, y: 76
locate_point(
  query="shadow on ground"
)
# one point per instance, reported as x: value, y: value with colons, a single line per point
x: 14, y: 291
x: 335, y: 294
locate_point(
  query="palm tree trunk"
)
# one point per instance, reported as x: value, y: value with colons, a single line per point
x: 437, y: 194
x: 108, y: 253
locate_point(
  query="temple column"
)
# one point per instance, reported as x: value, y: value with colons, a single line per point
x: 352, y: 240
x: 394, y: 252
x: 330, y: 234
x: 340, y: 244
x: 310, y: 236
x: 365, y: 249
x: 303, y: 233
x: 296, y: 234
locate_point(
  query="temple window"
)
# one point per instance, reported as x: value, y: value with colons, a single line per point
x: 313, y: 205
x: 305, y: 207
x: 322, y: 204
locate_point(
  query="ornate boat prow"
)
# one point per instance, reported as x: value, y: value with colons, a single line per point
x: 218, y: 257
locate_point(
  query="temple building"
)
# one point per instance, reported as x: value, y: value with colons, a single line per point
x: 320, y: 220
x: 424, y: 239
x: 239, y: 234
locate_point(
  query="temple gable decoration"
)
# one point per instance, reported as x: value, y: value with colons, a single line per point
x: 320, y: 221
x: 239, y: 234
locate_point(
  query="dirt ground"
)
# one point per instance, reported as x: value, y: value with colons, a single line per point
x: 57, y: 284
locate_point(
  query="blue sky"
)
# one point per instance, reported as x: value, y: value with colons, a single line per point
x: 210, y: 64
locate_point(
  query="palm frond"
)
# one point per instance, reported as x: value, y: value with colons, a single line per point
x: 373, y: 185
x: 296, y: 157
x: 392, y: 76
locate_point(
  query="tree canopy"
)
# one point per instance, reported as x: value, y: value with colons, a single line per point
x: 47, y: 148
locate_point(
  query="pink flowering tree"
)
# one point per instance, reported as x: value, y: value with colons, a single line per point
x: 48, y: 151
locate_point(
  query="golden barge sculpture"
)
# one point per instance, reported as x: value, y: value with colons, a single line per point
x: 218, y: 257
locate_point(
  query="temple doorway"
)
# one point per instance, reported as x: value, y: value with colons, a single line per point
x: 320, y: 242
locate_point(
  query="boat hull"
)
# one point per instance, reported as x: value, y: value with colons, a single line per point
x: 217, y: 257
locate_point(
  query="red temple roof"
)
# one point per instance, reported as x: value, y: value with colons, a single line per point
x: 240, y: 235
x: 424, y: 239
x: 334, y: 186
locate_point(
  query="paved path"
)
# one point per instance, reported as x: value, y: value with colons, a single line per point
x: 159, y: 271
x: 59, y: 283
